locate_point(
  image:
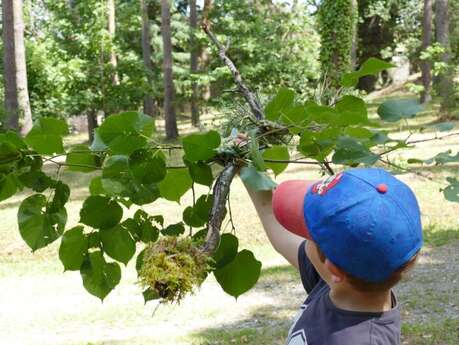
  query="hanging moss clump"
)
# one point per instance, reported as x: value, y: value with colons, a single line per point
x: 173, y: 267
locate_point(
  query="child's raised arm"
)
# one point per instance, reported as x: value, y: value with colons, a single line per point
x: 283, y: 241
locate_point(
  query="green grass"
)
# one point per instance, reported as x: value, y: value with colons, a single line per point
x: 438, y: 333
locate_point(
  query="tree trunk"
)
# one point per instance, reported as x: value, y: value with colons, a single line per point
x: 149, y: 106
x: 355, y: 36
x: 445, y: 81
x: 111, y: 32
x: 194, y: 63
x: 169, y: 89
x: 204, y: 54
x: 92, y: 124
x: 11, y: 96
x: 426, y: 65
x: 16, y: 90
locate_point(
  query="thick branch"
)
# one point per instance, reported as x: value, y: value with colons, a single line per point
x: 250, y: 97
x: 217, y: 213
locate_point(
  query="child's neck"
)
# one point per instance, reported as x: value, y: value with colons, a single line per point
x: 350, y: 299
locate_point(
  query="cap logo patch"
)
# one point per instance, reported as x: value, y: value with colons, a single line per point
x: 324, y: 186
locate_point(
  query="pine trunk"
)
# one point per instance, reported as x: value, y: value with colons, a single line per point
x: 16, y: 89
x: 426, y: 66
x: 204, y: 54
x: 149, y: 106
x: 445, y: 82
x: 194, y: 64
x: 111, y: 32
x: 92, y: 124
x: 9, y: 65
x: 169, y: 89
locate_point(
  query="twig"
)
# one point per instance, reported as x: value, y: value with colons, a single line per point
x: 251, y: 99
x: 292, y: 161
x: 328, y: 167
x: 432, y: 139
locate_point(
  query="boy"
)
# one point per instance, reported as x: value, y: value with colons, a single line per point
x: 362, y: 230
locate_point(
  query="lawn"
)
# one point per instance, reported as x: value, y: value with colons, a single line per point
x: 43, y: 305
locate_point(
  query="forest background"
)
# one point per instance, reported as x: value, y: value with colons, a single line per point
x: 83, y: 61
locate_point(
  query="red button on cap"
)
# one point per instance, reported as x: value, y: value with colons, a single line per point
x: 382, y: 188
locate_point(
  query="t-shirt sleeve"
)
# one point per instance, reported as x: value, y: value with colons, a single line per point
x: 309, y: 275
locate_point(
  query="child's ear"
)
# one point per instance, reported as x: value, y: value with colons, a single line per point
x: 337, y: 275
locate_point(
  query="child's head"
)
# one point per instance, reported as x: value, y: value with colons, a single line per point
x: 364, y: 225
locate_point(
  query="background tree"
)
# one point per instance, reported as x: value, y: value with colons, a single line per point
x: 336, y: 20
x: 169, y: 88
x: 111, y: 15
x: 194, y: 63
x: 426, y: 65
x: 149, y: 106
x: 445, y: 83
x: 16, y: 90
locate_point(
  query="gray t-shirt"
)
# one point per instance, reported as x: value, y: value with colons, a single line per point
x: 320, y: 322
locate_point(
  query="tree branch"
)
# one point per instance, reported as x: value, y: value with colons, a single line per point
x: 255, y: 106
x: 217, y: 213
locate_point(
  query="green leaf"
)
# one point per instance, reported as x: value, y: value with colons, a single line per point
x: 318, y: 145
x: 13, y: 138
x: 115, y: 167
x: 8, y: 152
x: 198, y: 215
x: 372, y: 66
x: 296, y: 116
x: 281, y: 102
x: 146, y: 168
x: 100, y: 212
x: 255, y: 154
x: 201, y: 147
x: 150, y: 294
x: 201, y: 173
x: 321, y: 114
x: 127, y: 144
x: 37, y: 227
x: 451, y: 192
x: 176, y: 184
x: 99, y: 277
x: 276, y: 152
x: 352, y: 111
x: 444, y: 158
x: 141, y: 194
x: 95, y: 186
x: 174, y: 230
x: 60, y: 198
x: 444, y: 126
x: 191, y: 218
x: 350, y: 152
x: 81, y: 158
x: 45, y: 137
x: 226, y: 251
x: 118, y: 243
x: 257, y: 180
x: 97, y: 144
x: 396, y: 109
x: 73, y: 248
x: 240, y: 275
x: 118, y: 128
x: 8, y: 186
x: 37, y: 180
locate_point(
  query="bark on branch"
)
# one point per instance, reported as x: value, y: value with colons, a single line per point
x: 249, y: 96
x: 217, y: 213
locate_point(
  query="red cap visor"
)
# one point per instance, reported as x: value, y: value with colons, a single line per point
x: 287, y: 203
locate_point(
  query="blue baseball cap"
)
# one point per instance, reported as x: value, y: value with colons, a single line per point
x: 365, y: 221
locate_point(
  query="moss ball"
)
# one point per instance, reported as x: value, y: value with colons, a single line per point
x: 173, y: 267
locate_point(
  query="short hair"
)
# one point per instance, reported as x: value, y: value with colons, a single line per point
x: 363, y: 285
